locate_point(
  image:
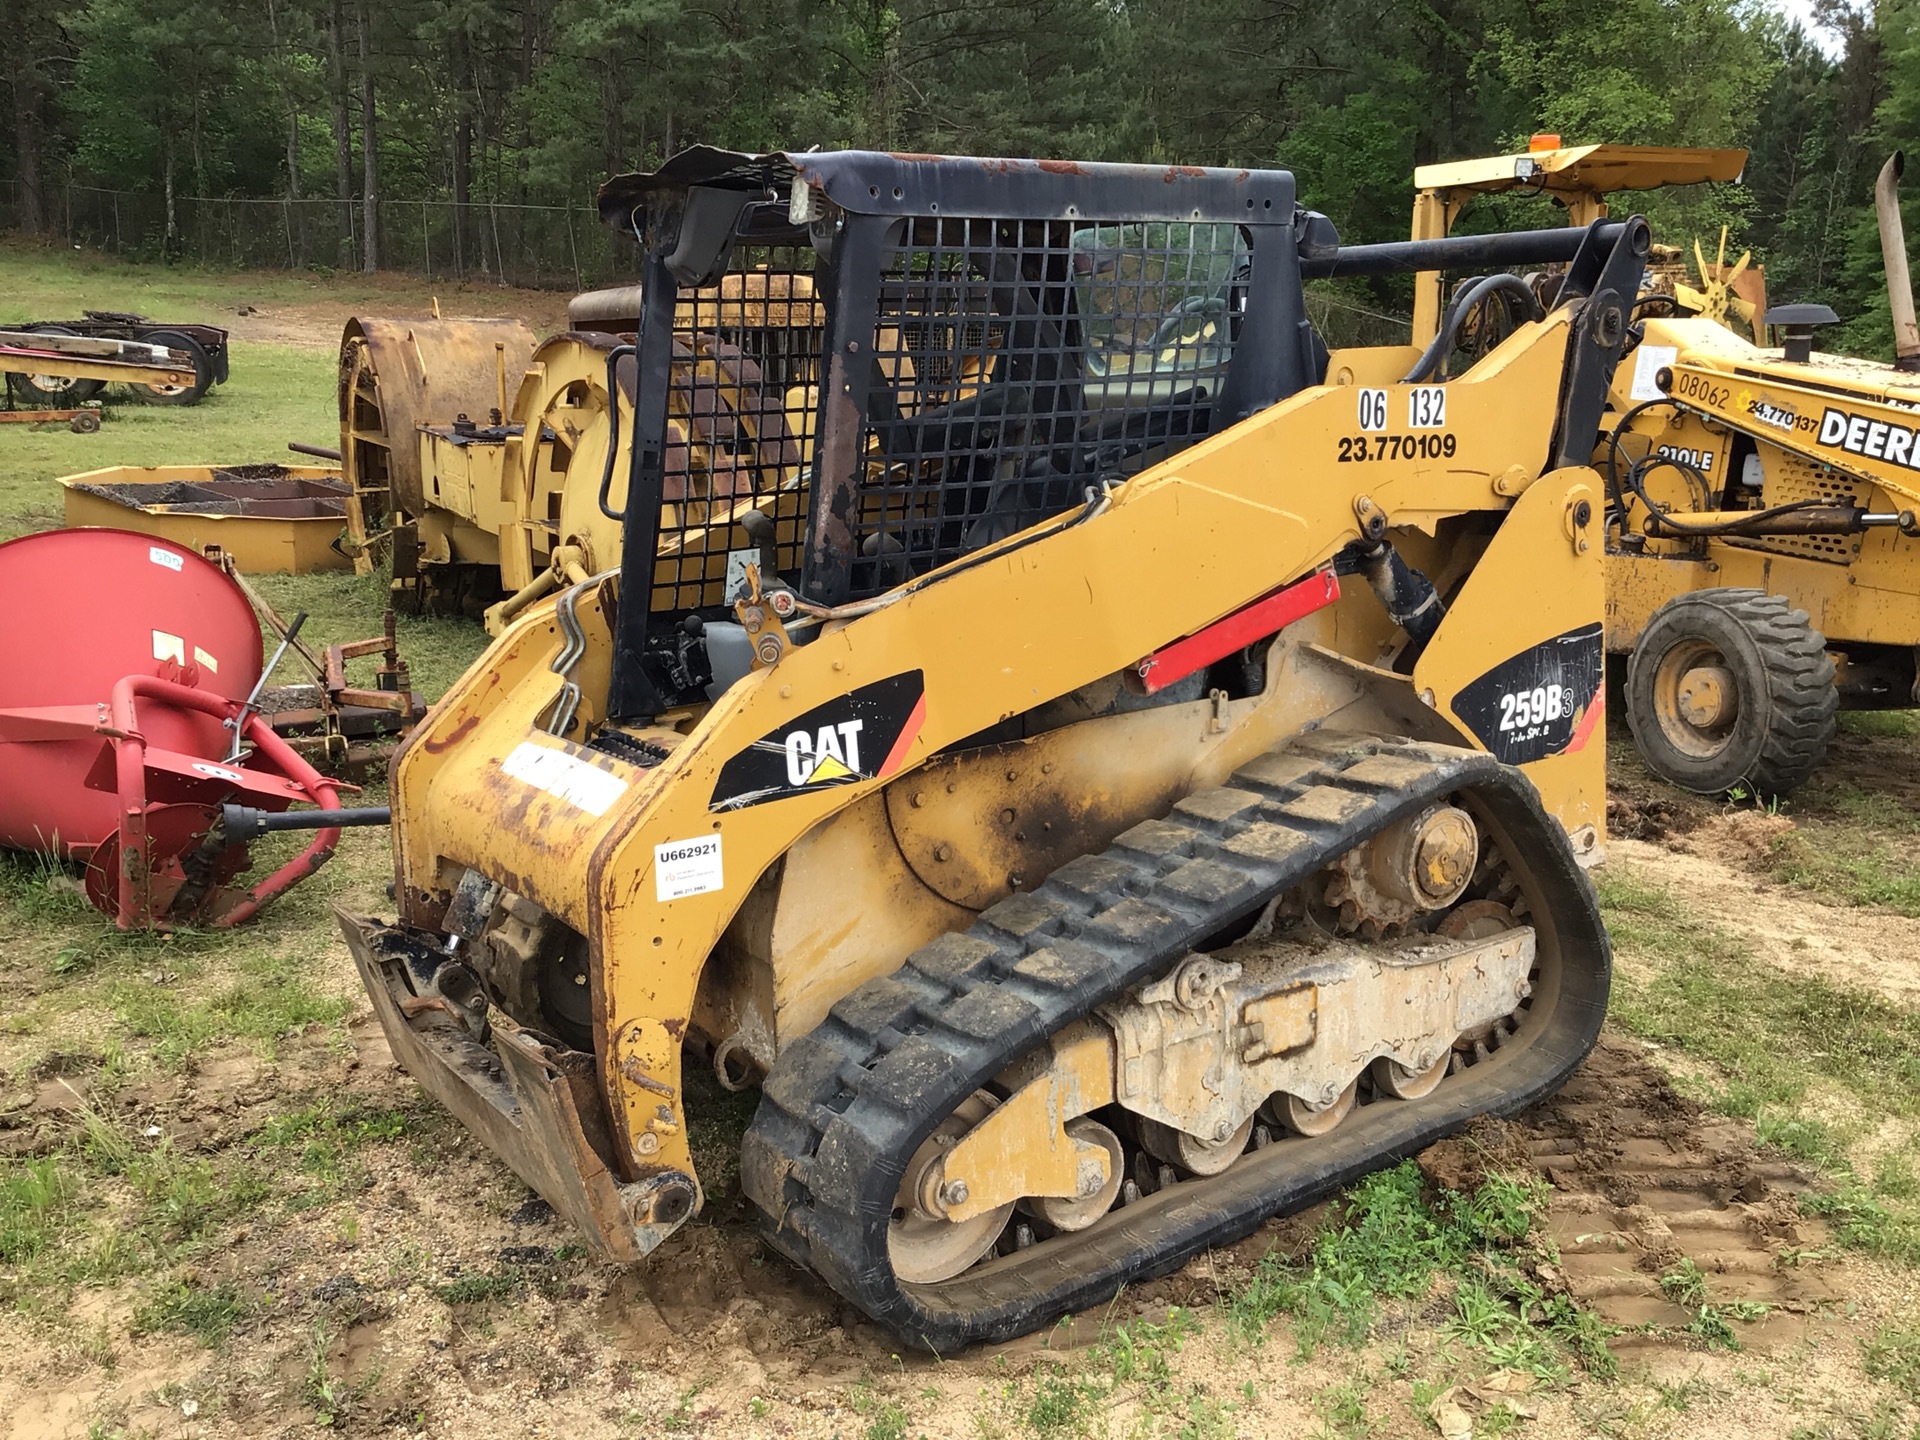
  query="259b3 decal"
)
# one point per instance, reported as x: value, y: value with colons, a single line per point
x: 1544, y: 701
x: 862, y: 735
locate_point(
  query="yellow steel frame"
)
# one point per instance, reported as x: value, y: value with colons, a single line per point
x: 1580, y: 177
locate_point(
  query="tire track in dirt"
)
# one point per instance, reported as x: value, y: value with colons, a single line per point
x: 1643, y: 1180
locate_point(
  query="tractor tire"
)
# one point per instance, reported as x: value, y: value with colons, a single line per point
x: 178, y: 394
x: 1731, y: 691
x: 54, y: 392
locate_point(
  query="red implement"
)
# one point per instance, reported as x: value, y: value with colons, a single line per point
x: 123, y: 669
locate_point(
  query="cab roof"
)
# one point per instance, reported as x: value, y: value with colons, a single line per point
x: 1576, y: 169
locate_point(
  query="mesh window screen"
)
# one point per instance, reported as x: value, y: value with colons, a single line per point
x: 1018, y: 363
x: 741, y: 412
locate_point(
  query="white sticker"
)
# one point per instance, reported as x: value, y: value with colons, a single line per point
x: 1649, y: 361
x: 166, y: 558
x: 169, y: 647
x: 1427, y: 407
x: 585, y: 786
x: 688, y: 867
x: 1373, y: 409
x: 735, y: 587
x: 200, y: 657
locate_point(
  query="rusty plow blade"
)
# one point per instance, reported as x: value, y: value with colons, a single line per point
x: 535, y: 1103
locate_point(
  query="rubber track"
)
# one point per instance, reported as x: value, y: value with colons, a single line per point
x: 845, y: 1106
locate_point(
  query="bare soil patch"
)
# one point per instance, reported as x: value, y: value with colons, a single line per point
x: 1715, y: 870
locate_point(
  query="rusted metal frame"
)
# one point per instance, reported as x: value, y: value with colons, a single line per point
x: 210, y: 338
x: 42, y: 362
x: 876, y: 183
x: 134, y: 901
x: 537, y: 1108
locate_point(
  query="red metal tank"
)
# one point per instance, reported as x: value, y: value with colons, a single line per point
x: 83, y: 609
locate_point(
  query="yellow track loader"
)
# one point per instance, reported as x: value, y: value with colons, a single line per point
x: 1105, y: 769
x: 1763, y: 570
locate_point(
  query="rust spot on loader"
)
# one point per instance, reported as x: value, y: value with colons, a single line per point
x: 437, y: 743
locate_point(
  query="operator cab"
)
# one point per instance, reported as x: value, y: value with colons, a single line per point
x: 854, y: 368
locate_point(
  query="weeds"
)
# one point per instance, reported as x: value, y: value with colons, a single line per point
x: 1893, y: 1354
x: 334, y: 1400
x: 887, y: 1421
x: 1708, y: 1324
x: 1391, y: 1243
x: 210, y: 1316
x: 1343, y: 1411
x: 476, y: 1287
x: 1063, y: 1403
x: 34, y: 1204
x: 680, y: 1417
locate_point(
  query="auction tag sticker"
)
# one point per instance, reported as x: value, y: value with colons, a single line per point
x: 1649, y: 361
x: 587, y: 787
x: 688, y: 867
x: 165, y: 557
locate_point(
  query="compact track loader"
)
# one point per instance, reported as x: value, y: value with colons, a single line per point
x: 1763, y: 570
x: 1104, y: 768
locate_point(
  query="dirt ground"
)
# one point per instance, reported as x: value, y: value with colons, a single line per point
x: 315, y: 324
x: 717, y: 1329
x: 434, y: 1296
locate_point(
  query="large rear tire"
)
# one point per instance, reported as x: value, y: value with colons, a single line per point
x: 1729, y: 691
x: 55, y: 392
x: 178, y: 394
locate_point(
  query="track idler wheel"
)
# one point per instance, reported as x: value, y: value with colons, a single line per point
x: 1191, y: 1153
x: 1082, y: 1211
x: 923, y: 1244
x: 1390, y: 1077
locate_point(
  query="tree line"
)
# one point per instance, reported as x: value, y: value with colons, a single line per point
x: 370, y: 104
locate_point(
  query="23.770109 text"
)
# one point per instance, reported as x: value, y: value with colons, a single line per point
x: 1397, y: 447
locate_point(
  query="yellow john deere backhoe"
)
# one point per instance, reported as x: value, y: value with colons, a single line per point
x: 1106, y: 769
x: 1762, y: 570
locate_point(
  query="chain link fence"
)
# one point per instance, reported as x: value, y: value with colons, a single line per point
x: 541, y: 246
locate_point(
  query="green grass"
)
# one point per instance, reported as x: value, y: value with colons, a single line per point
x: 210, y: 1316
x: 276, y: 392
x: 1392, y: 1249
x: 1392, y: 1242
x: 1893, y: 1354
x: 42, y: 282
x: 1891, y: 724
x: 1850, y: 866
x: 34, y: 1200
